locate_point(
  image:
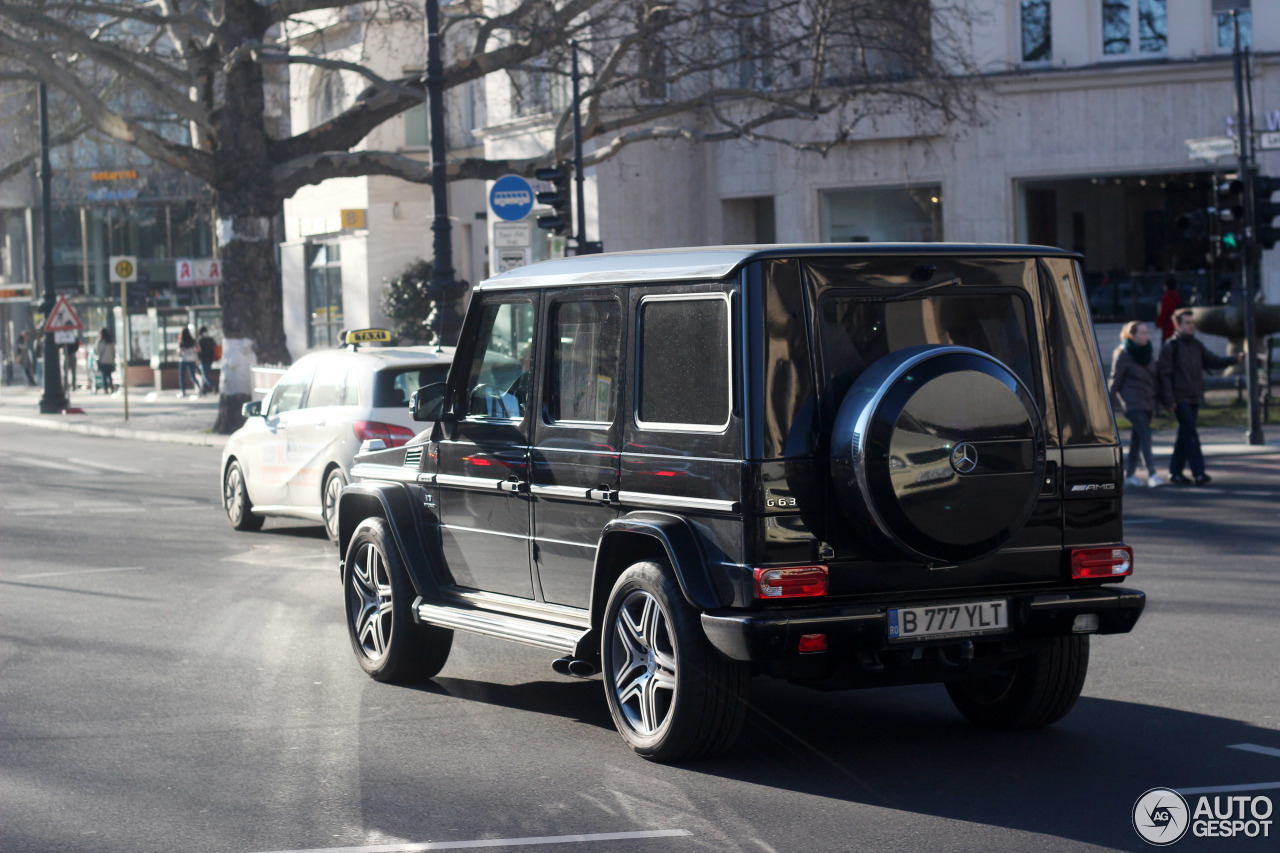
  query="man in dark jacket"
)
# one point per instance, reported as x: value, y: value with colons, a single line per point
x: 1183, y: 361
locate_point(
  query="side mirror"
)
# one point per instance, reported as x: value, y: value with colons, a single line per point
x: 427, y: 403
x: 252, y: 409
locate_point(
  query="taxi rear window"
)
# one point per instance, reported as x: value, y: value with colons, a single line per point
x: 393, y: 387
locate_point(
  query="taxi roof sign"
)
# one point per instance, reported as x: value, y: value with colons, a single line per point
x: 356, y: 337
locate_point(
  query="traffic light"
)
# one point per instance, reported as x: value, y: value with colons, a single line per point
x: 557, y: 198
x: 1266, y: 210
x: 1230, y: 210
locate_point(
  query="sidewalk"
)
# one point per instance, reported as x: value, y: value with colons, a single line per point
x: 153, y: 416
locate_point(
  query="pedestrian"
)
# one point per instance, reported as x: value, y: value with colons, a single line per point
x: 69, y: 352
x: 1133, y: 384
x: 207, y: 347
x: 22, y: 354
x: 105, y: 349
x: 1170, y: 302
x: 187, y: 358
x: 1183, y: 361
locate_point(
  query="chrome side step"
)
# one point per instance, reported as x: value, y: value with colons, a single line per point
x: 557, y: 638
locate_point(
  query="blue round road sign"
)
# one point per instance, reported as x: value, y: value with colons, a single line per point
x: 511, y: 198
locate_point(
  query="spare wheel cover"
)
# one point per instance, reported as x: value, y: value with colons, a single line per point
x: 940, y: 451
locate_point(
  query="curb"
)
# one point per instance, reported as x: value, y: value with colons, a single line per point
x: 205, y: 439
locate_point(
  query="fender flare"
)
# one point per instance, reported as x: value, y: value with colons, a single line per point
x: 391, y: 502
x: 679, y: 542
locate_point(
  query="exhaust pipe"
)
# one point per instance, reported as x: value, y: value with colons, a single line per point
x: 574, y: 667
x: 581, y: 668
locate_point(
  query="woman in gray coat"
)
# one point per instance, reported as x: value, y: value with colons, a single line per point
x: 1133, y: 384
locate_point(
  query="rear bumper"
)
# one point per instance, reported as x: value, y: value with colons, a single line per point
x: 772, y: 636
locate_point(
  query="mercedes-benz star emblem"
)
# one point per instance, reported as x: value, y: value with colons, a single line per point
x: 964, y: 458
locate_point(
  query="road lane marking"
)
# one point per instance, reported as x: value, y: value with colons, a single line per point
x: 1253, y: 747
x: 119, y: 469
x: 1222, y: 789
x: 496, y: 842
x: 1144, y: 521
x: 82, y: 572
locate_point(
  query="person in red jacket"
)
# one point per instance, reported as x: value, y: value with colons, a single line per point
x: 1169, y: 303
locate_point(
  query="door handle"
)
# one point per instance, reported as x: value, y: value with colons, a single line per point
x: 514, y: 486
x: 602, y: 493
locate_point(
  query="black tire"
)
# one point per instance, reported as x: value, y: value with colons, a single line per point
x: 1040, y: 690
x: 236, y: 502
x: 686, y: 699
x: 333, y: 485
x: 389, y: 645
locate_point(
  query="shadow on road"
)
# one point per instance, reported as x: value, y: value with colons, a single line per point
x: 907, y: 749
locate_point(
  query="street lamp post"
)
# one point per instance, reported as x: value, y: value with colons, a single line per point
x: 444, y: 286
x: 54, y: 400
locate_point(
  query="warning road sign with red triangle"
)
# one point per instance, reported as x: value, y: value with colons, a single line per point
x: 63, y: 318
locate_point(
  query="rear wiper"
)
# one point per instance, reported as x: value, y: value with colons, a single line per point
x: 946, y: 282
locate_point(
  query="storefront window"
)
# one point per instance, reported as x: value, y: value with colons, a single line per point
x: 1037, y: 39
x: 324, y: 295
x: 907, y: 215
x: 13, y: 247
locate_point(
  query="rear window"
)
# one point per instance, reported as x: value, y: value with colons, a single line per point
x: 392, y: 387
x: 684, y: 363
x: 858, y: 330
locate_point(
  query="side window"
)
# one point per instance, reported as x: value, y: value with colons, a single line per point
x: 684, y: 363
x: 290, y: 391
x: 585, y: 341
x: 328, y: 388
x: 497, y: 384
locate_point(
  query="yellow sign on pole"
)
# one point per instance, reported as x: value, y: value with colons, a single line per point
x: 353, y: 218
x: 123, y: 268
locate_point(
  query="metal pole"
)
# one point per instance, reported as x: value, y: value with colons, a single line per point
x: 53, y: 400
x: 578, y: 177
x: 122, y: 347
x: 1244, y: 136
x: 442, y: 244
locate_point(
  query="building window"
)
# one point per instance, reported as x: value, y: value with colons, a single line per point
x: 324, y: 295
x: 652, y: 51
x: 328, y: 98
x: 1134, y: 26
x: 1226, y: 39
x: 912, y: 215
x: 1037, y: 36
x: 417, y: 127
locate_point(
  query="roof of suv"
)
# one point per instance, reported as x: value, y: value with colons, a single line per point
x: 715, y: 262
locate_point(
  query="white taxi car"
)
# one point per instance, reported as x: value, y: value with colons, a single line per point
x: 294, y: 453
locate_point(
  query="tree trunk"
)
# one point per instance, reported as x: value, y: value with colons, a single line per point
x: 252, y: 301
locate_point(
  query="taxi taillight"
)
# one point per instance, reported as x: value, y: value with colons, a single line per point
x: 1093, y: 563
x: 393, y: 434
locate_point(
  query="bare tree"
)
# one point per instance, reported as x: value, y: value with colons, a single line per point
x: 802, y: 73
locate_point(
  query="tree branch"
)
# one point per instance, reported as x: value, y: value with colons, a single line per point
x: 268, y: 56
x: 109, y: 122
x: 25, y: 161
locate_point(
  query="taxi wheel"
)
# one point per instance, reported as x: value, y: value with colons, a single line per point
x: 235, y: 498
x: 389, y: 645
x: 1040, y: 689
x: 333, y: 485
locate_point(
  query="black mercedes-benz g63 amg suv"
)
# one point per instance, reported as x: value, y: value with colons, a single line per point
x: 844, y: 466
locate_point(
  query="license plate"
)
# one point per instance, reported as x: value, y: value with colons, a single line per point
x: 948, y: 620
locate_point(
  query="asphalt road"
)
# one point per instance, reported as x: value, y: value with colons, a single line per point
x: 168, y: 684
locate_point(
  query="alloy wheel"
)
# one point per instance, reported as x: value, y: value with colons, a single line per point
x: 643, y: 663
x: 370, y: 602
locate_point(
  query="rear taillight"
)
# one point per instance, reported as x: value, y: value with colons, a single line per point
x: 1101, y: 562
x: 793, y: 582
x: 392, y: 434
